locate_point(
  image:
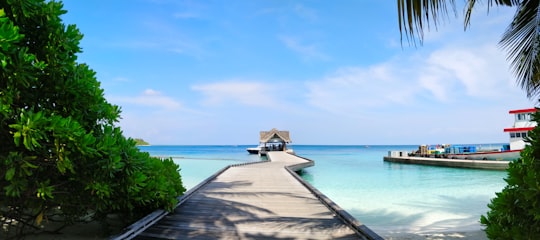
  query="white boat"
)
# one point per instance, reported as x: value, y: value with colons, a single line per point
x: 523, y: 123
x: 254, y: 150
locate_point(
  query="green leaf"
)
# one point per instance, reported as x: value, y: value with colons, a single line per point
x: 10, y: 173
x: 63, y: 129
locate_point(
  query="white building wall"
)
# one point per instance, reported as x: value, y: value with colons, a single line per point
x: 517, y: 143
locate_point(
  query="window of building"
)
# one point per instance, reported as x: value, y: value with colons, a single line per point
x: 518, y: 134
x: 523, y: 117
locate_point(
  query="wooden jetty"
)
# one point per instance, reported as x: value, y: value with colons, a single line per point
x: 264, y: 200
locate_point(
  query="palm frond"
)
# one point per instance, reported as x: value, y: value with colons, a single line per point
x: 468, y: 12
x: 472, y: 3
x: 521, y: 41
x: 415, y: 15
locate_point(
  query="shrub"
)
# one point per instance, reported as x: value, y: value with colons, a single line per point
x: 61, y: 155
x: 515, y: 211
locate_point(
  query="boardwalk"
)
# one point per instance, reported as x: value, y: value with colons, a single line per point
x: 258, y: 201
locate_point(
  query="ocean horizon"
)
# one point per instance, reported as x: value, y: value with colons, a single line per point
x: 389, y: 198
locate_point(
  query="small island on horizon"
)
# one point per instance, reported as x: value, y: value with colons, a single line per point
x: 141, y: 142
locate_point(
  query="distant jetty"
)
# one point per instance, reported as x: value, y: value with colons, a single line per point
x: 473, y: 156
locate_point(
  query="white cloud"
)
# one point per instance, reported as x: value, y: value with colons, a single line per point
x: 241, y: 92
x: 151, y: 92
x: 165, y: 127
x: 450, y: 74
x: 481, y: 70
x: 306, y: 51
x: 435, y: 84
x: 149, y: 98
x: 357, y: 88
x: 121, y: 79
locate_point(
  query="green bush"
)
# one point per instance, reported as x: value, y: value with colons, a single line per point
x: 61, y: 156
x: 515, y: 211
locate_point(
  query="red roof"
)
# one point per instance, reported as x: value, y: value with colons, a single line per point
x: 518, y: 129
x: 522, y: 110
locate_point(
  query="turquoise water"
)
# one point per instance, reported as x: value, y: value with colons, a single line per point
x: 387, y: 197
x: 199, y: 162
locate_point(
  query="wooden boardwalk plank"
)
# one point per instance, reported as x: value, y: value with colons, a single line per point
x: 255, y: 201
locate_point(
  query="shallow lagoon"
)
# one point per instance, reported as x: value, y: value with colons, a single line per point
x: 387, y: 197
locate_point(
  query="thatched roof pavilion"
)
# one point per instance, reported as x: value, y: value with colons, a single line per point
x: 275, y: 136
x: 274, y: 140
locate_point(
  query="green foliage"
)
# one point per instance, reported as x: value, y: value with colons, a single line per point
x: 515, y: 211
x: 61, y: 156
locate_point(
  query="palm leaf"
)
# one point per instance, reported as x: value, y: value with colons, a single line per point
x: 521, y: 41
x: 415, y: 15
x: 471, y: 3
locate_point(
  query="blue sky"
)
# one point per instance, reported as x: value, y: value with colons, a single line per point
x: 330, y: 72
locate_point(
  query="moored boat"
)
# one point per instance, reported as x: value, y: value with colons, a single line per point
x: 473, y: 156
x: 505, y: 155
x: 254, y: 150
x: 518, y: 132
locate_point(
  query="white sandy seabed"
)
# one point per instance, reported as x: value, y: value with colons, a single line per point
x: 473, y: 235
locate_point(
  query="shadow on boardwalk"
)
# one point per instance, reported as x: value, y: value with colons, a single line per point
x: 208, y: 215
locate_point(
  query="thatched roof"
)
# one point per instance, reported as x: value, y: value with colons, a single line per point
x: 275, y: 135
